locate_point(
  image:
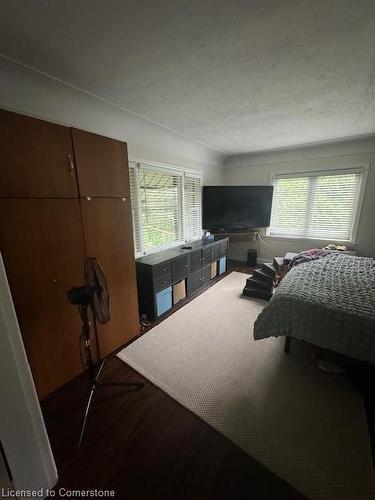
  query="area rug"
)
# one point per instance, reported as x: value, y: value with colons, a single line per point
x: 306, y: 426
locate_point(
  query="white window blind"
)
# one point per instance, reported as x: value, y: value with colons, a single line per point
x: 160, y: 195
x: 166, y: 206
x: 134, y: 194
x: 316, y: 205
x: 192, y: 208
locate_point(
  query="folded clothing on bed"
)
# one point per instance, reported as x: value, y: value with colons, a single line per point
x: 329, y: 302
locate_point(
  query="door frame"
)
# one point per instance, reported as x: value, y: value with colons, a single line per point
x: 22, y: 430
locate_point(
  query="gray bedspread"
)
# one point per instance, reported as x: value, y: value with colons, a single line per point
x: 329, y: 302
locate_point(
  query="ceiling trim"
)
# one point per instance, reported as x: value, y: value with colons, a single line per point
x: 296, y: 147
x: 110, y: 103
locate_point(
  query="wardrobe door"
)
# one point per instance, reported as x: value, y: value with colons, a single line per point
x: 42, y: 245
x: 102, y: 165
x: 108, y: 232
x: 36, y: 158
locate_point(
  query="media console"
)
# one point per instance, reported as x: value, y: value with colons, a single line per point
x: 165, y: 278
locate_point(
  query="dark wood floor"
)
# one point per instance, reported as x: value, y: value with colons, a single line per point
x: 144, y: 445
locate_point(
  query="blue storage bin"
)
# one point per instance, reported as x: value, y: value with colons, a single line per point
x: 222, y: 265
x: 163, y: 301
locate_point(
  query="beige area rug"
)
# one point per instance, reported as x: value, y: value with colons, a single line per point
x: 306, y: 426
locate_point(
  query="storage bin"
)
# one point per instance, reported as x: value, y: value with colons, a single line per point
x: 213, y: 269
x: 163, y: 301
x: 222, y: 265
x: 179, y: 291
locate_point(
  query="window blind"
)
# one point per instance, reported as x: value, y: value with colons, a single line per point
x: 166, y: 206
x: 192, y: 208
x: 316, y: 205
x: 134, y: 194
x: 160, y: 207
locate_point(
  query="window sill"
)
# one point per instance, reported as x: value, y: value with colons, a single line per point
x: 166, y: 247
x: 303, y: 239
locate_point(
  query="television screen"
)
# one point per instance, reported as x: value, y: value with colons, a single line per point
x: 236, y: 208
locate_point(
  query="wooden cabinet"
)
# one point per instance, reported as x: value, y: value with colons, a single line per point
x: 36, y: 158
x: 42, y: 246
x: 108, y: 233
x: 102, y: 165
x: 48, y: 227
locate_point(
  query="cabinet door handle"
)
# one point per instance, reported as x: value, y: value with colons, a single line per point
x: 71, y: 164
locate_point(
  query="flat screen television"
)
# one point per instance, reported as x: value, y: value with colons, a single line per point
x: 236, y: 208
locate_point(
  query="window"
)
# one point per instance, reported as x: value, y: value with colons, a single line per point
x: 192, y: 207
x: 322, y: 205
x: 166, y: 207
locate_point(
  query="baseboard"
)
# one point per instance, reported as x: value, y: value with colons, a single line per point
x: 240, y: 258
x: 237, y: 258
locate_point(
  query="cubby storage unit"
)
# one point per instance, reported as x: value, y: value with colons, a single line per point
x: 166, y: 278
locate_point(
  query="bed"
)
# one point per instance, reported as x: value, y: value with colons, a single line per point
x: 329, y: 302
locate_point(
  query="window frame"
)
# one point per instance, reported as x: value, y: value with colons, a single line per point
x: 359, y: 168
x: 137, y: 163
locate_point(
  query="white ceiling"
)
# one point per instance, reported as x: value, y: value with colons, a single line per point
x: 239, y: 75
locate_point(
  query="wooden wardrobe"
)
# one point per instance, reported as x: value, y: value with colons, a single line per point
x: 64, y: 195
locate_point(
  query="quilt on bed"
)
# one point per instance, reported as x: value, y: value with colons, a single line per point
x: 329, y: 302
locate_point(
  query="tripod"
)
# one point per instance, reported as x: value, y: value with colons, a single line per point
x: 93, y: 374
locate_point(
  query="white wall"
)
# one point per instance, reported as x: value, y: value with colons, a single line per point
x: 27, y: 91
x: 256, y: 169
x: 30, y: 92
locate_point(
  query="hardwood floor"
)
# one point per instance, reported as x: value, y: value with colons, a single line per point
x: 144, y: 445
